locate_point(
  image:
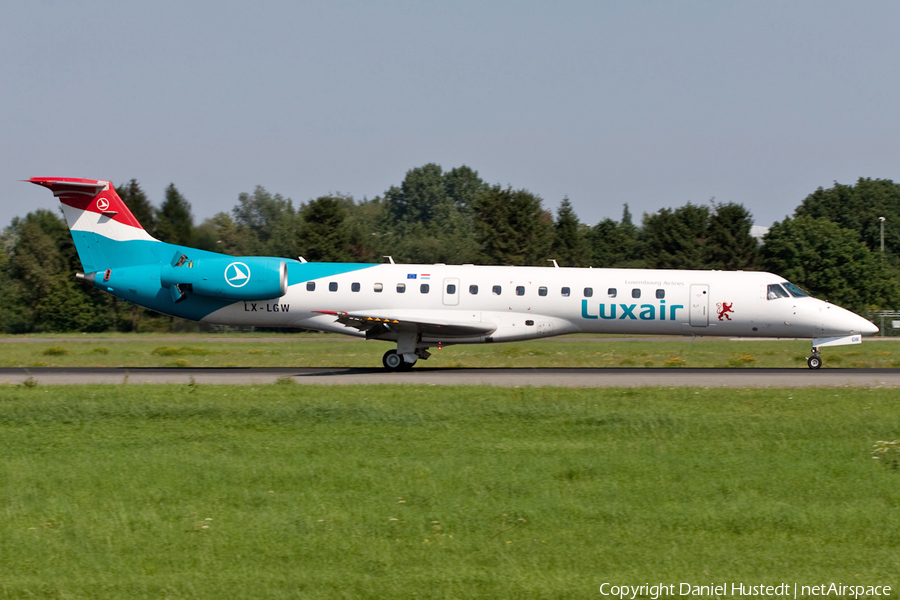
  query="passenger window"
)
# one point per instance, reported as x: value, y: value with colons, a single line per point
x: 635, y: 293
x: 473, y: 289
x: 496, y: 290
x: 520, y: 290
x: 451, y: 288
x: 611, y: 292
x: 776, y: 292
x: 542, y: 291
x: 588, y: 292
x: 354, y: 287
x: 310, y: 286
x: 378, y: 288
x: 401, y: 288
x: 332, y: 287
x: 660, y: 294
x: 424, y: 288
x: 565, y: 292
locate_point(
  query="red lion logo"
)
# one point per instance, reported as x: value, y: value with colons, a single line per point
x: 724, y: 309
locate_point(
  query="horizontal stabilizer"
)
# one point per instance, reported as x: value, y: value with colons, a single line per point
x: 62, y: 186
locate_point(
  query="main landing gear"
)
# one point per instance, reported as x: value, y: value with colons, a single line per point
x: 409, y: 350
x: 394, y: 361
x: 814, y: 360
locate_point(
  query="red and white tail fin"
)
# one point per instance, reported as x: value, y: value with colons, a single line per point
x: 94, y: 205
x: 98, y: 220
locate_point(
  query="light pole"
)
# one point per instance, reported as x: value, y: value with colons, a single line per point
x: 882, y: 254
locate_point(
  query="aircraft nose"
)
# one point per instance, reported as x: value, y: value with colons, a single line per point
x: 858, y: 324
x: 867, y: 327
x: 840, y: 321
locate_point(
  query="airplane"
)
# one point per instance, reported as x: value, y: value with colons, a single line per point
x: 422, y: 306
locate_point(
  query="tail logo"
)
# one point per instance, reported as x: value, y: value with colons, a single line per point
x: 102, y: 203
x: 235, y: 276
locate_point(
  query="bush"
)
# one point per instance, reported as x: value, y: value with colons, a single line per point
x: 184, y: 350
x: 888, y: 454
x: 55, y: 351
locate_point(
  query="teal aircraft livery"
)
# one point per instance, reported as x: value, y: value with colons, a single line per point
x: 418, y: 307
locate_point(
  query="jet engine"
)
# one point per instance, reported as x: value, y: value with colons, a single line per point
x: 229, y: 278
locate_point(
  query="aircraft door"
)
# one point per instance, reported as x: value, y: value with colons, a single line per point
x: 699, y: 305
x: 451, y: 291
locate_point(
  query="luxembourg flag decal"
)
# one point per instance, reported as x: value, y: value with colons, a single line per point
x: 425, y: 276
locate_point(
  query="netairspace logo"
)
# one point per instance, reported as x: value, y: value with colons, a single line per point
x: 782, y: 590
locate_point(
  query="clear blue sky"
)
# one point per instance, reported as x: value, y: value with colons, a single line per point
x: 650, y: 103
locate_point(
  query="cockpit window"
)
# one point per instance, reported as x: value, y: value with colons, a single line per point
x: 776, y: 292
x: 795, y: 291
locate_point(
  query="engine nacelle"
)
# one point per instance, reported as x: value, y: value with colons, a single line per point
x: 229, y: 278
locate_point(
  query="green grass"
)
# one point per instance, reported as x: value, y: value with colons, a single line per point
x: 288, y: 491
x: 336, y: 351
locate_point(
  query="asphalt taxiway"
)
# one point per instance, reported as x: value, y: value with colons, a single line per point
x: 503, y: 377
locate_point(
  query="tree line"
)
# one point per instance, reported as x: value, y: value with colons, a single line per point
x: 831, y: 245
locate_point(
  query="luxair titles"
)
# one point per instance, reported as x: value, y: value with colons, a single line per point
x: 647, y: 312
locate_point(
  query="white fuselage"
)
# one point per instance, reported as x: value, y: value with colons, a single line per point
x: 532, y: 302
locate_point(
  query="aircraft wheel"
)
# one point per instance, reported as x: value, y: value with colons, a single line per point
x: 392, y: 361
x: 814, y: 361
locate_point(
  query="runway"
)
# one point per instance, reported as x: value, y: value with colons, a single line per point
x: 501, y: 377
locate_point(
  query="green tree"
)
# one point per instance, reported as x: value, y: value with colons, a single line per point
x: 136, y: 201
x: 431, y: 243
x: 512, y: 227
x: 174, y: 221
x: 463, y: 185
x: 675, y: 239
x: 570, y: 245
x: 428, y: 218
x: 420, y: 198
x: 427, y: 194
x: 220, y: 233
x: 616, y: 244
x: 831, y: 263
x: 14, y: 314
x: 858, y: 208
x: 270, y: 223
x: 729, y: 245
x: 41, y: 269
x: 325, y: 234
x: 364, y: 230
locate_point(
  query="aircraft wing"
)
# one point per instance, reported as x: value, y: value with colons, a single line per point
x: 375, y: 324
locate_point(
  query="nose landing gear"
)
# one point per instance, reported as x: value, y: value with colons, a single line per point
x: 814, y: 360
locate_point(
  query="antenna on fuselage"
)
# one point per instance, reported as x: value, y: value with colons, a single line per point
x: 301, y: 259
x: 390, y: 258
x: 553, y: 260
